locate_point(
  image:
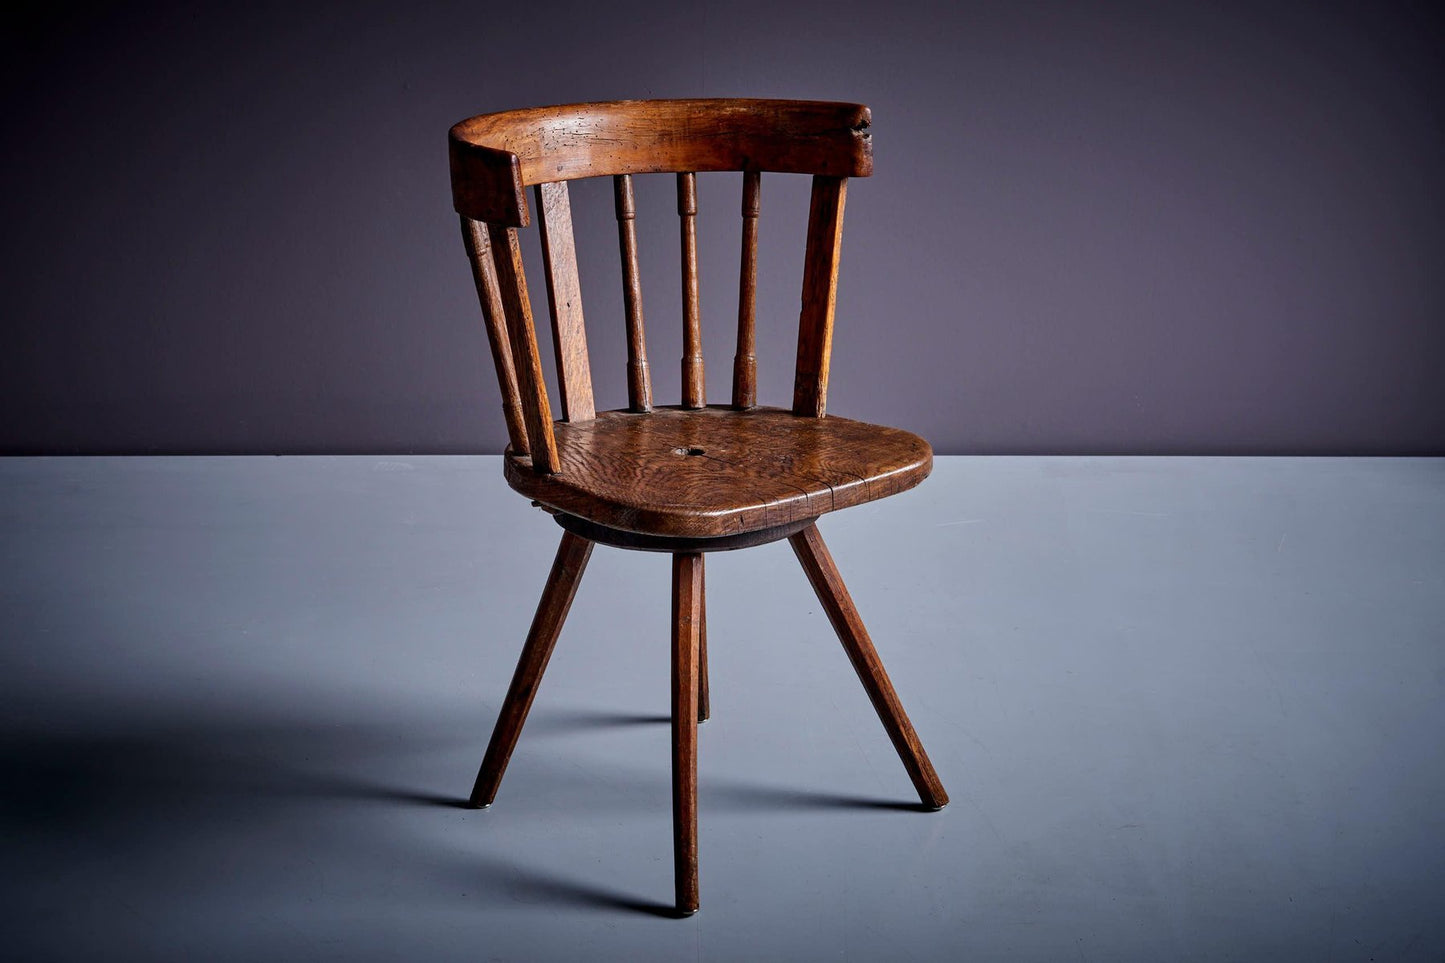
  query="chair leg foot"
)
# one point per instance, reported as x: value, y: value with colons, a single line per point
x: 687, y: 592
x: 557, y: 597
x: 833, y: 594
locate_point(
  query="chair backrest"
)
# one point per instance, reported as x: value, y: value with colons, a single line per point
x: 495, y: 157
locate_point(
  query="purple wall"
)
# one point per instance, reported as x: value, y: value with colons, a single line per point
x: 1094, y: 228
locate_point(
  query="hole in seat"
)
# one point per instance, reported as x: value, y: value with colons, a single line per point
x: 689, y: 451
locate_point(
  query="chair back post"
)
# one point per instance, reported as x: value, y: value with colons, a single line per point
x: 531, y: 385
x: 484, y: 274
x: 820, y: 289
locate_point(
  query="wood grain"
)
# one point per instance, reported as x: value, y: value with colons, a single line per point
x: 745, y: 362
x: 562, y: 582
x: 564, y: 301
x: 694, y: 391
x: 639, y: 382
x: 833, y: 594
x: 820, y: 288
x: 495, y: 156
x: 756, y: 469
x: 484, y: 276
x: 704, y: 703
x: 536, y: 409
x: 686, y: 624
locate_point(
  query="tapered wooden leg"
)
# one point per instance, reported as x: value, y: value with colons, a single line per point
x: 704, y: 706
x: 833, y: 594
x: 557, y: 597
x: 687, y: 591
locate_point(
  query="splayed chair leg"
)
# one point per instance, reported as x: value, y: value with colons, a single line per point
x: 557, y: 597
x: 833, y: 594
x: 687, y: 592
x: 704, y: 705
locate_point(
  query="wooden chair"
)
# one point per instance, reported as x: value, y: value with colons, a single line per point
x: 691, y: 478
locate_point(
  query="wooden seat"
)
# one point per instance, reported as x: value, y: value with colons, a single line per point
x: 717, y: 471
x: 692, y: 478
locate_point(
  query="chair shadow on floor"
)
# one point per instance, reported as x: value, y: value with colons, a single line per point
x: 174, y: 787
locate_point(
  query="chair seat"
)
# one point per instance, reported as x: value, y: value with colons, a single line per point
x: 717, y: 471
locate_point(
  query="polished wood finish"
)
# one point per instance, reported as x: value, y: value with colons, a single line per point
x: 717, y: 471
x: 820, y: 289
x: 833, y: 594
x: 566, y: 575
x: 536, y: 409
x: 685, y: 479
x: 686, y: 629
x: 484, y: 275
x: 639, y: 383
x: 494, y: 157
x: 564, y: 301
x: 694, y: 391
x: 745, y: 362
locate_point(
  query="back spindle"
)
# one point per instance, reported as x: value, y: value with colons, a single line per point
x: 745, y: 363
x: 694, y: 395
x: 639, y: 384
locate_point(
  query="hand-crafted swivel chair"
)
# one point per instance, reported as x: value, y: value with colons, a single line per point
x: 686, y: 479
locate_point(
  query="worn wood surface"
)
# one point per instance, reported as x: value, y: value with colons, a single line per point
x: 562, y: 582
x: 820, y: 288
x: 536, y: 409
x: 639, y: 382
x: 833, y: 594
x: 745, y: 362
x: 687, y: 591
x: 484, y: 276
x: 564, y: 301
x: 694, y: 391
x: 718, y: 471
x: 495, y: 156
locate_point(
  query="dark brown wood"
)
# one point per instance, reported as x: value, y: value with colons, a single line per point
x: 494, y: 156
x: 718, y: 471
x: 833, y: 594
x: 639, y: 383
x: 745, y: 362
x: 484, y: 276
x: 686, y: 624
x: 694, y: 391
x: 704, y: 704
x: 639, y: 542
x: 536, y: 409
x: 562, y: 582
x: 820, y: 288
x: 564, y: 301
x: 820, y: 295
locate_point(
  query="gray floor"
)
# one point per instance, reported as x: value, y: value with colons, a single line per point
x: 1186, y: 708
